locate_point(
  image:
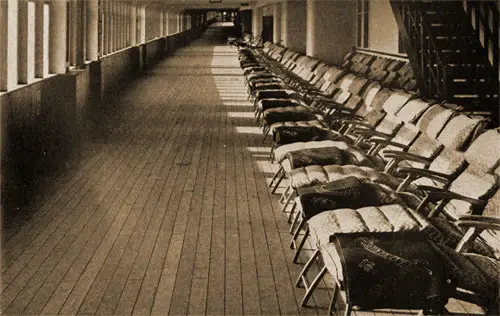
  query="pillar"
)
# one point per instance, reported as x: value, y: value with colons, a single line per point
x: 172, y: 23
x: 77, y: 36
x: 92, y: 24
x: 57, y: 38
x: 293, y: 25
x: 257, y: 22
x: 26, y: 41
x: 133, y: 24
x: 8, y: 44
x: 331, y: 29
x: 277, y: 23
x: 40, y: 58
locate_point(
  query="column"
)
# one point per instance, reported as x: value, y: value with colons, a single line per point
x: 293, y: 24
x: 142, y: 25
x: 8, y: 44
x: 257, y: 22
x: 77, y: 36
x: 331, y: 29
x: 172, y: 23
x: 57, y: 38
x: 92, y: 29
x: 277, y: 23
x: 133, y: 24
x: 26, y: 41
x: 105, y: 28
x: 40, y: 57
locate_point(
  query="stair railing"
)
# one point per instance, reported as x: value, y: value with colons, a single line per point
x: 431, y: 64
x: 484, y: 17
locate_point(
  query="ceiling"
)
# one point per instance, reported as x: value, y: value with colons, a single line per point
x: 180, y: 5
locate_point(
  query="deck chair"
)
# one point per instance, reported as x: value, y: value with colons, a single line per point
x: 476, y: 276
x: 465, y: 194
x: 472, y: 275
x: 283, y: 132
x: 391, y: 126
x: 339, y: 104
x: 391, y: 105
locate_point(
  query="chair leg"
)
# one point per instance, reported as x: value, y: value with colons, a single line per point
x: 275, y: 176
x: 271, y: 153
x: 288, y: 199
x: 301, y: 245
x: 292, y: 210
x: 266, y: 134
x: 284, y: 194
x: 336, y: 291
x: 312, y: 287
x: 273, y: 191
x: 295, y: 232
x: 302, y: 278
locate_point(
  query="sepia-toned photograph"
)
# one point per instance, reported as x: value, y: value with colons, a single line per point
x: 250, y: 157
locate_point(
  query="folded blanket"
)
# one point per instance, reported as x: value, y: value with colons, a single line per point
x: 332, y: 156
x: 291, y: 134
x: 349, y: 192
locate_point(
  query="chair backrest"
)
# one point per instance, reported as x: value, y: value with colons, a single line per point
x: 434, y: 120
x: 370, y: 93
x: 395, y: 65
x: 380, y: 63
x: 396, y: 101
x: 346, y: 81
x: 492, y: 237
x: 481, y: 178
x: 413, y: 110
x: 460, y: 131
x: 358, y: 85
x: 333, y: 74
x: 319, y: 72
x: 379, y: 99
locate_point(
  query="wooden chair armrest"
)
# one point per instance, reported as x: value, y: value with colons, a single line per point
x: 369, y: 132
x: 417, y: 173
x: 402, y: 155
x: 386, y: 141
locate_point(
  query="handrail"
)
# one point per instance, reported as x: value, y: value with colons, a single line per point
x: 402, y: 57
x: 482, y: 27
x: 436, y: 79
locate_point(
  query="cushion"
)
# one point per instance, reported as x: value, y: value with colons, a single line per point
x: 315, y: 175
x: 385, y: 218
x: 346, y: 155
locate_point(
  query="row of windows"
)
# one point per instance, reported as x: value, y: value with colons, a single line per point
x: 42, y: 37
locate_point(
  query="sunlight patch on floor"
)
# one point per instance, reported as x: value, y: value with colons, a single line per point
x: 241, y: 114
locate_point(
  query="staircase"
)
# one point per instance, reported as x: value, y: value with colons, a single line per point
x: 453, y: 48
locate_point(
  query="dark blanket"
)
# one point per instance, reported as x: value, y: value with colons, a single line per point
x: 326, y: 156
x: 272, y: 94
x: 288, y: 116
x: 290, y: 134
x: 276, y: 103
x: 349, y: 192
x: 391, y: 270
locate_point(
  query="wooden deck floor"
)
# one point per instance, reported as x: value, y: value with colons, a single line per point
x: 167, y: 213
